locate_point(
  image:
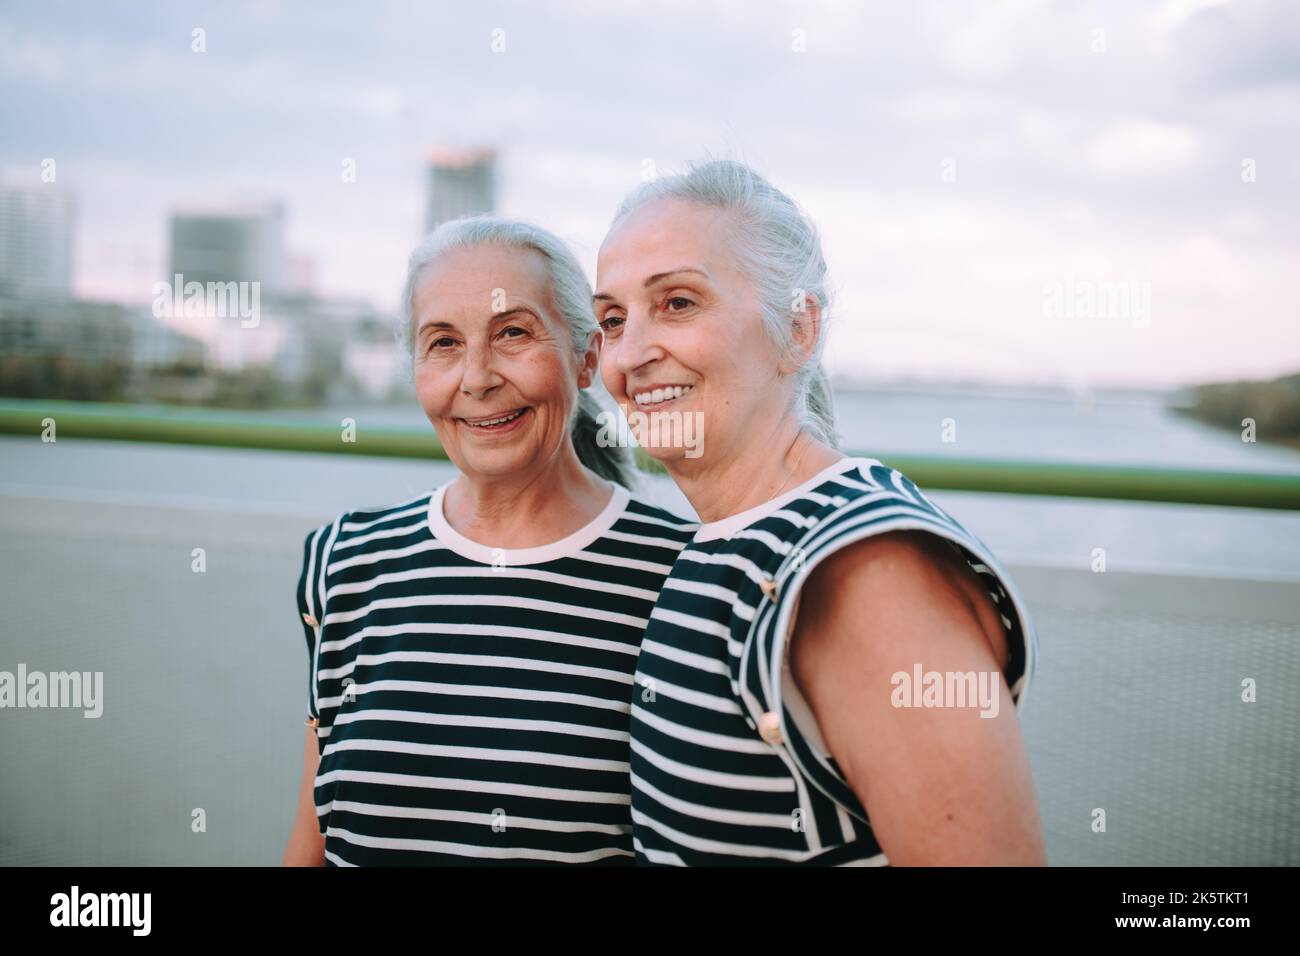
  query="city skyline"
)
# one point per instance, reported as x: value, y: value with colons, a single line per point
x: 979, y: 175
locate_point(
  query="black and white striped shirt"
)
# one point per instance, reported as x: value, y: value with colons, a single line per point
x: 707, y: 786
x: 473, y: 701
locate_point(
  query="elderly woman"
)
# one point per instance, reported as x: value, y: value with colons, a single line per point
x: 833, y: 670
x: 472, y: 650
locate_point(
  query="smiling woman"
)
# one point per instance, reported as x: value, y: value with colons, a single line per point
x: 774, y: 733
x: 479, y: 288
x: 472, y: 650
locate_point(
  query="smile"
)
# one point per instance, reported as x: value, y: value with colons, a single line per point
x: 495, y: 423
x: 659, y: 396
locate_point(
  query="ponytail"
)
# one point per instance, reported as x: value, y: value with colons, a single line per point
x: 819, y: 413
x: 609, y: 460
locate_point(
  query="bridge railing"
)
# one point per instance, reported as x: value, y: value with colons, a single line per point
x: 236, y: 429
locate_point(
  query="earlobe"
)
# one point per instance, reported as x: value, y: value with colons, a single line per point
x: 590, y: 359
x: 807, y: 322
x: 805, y: 330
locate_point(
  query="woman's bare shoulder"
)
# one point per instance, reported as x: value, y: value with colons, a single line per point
x: 902, y: 574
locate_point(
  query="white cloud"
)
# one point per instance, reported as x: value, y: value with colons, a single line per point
x: 30, y: 58
x: 1140, y: 147
x: 1173, y: 14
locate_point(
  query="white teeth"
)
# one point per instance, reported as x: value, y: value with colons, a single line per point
x: 497, y: 421
x: 661, y: 394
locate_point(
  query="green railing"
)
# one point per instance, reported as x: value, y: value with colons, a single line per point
x: 228, y: 429
x: 244, y: 430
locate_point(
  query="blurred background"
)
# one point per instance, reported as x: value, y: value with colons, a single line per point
x: 1063, y: 241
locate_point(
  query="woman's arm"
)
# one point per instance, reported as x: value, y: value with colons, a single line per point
x: 942, y: 786
x: 306, y: 845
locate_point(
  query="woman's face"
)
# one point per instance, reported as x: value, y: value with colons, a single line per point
x: 494, y: 367
x: 678, y: 314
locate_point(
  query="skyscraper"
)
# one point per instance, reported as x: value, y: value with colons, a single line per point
x: 35, y: 241
x: 235, y: 244
x: 461, y: 183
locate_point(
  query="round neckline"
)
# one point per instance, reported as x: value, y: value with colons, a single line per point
x: 726, y: 527
x: 487, y: 554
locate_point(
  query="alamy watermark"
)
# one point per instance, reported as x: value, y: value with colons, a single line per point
x: 178, y: 298
x: 1088, y: 299
x: 947, y: 689
x: 73, y: 689
x: 652, y: 430
x: 75, y: 908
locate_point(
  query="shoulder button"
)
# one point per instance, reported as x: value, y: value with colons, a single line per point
x: 769, y: 728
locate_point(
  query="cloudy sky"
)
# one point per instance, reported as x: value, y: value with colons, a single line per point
x: 978, y: 170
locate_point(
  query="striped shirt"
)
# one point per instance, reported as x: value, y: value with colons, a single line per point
x: 708, y: 787
x: 473, y: 701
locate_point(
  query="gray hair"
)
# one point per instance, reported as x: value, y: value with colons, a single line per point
x: 779, y: 250
x: 571, y: 293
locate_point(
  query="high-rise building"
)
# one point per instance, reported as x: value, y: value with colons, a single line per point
x: 236, y: 244
x: 35, y: 241
x: 461, y: 183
